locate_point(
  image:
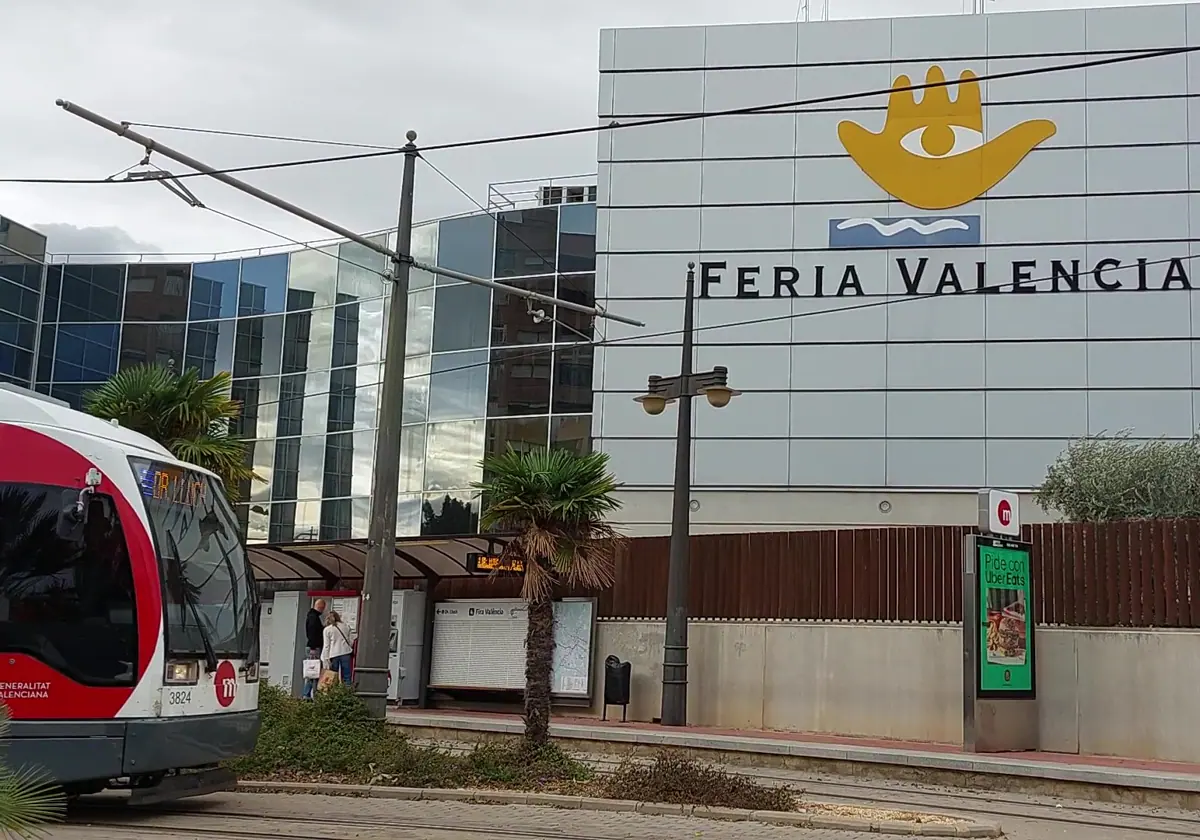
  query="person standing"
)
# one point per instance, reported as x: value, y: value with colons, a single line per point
x: 314, y: 640
x: 337, y: 648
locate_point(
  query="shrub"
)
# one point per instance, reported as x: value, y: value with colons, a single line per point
x: 675, y: 779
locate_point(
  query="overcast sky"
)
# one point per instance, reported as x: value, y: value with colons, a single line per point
x: 356, y: 70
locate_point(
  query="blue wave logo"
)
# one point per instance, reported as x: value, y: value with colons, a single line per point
x: 904, y: 233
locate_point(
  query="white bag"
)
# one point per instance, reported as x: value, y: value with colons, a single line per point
x: 312, y: 669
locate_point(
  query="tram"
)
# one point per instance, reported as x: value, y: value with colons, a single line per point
x: 128, y: 611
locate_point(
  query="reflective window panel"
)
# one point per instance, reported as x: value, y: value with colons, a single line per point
x: 156, y: 344
x: 458, y: 386
x: 86, y: 352
x: 157, y: 292
x: 17, y: 331
x: 408, y: 516
x: 572, y: 392
x: 519, y: 382
x: 577, y: 237
x: 259, y: 399
x: 416, y: 389
x: 53, y: 293
x: 524, y: 434
x: 336, y: 519
x: 519, y: 320
x: 291, y: 407
x: 263, y: 285
x: 572, y: 325
x: 424, y: 249
x: 283, y: 522
x: 258, y: 347
x: 466, y: 244
x: 419, y: 336
x: 573, y: 433
x: 297, y: 326
x: 16, y: 365
x: 210, y: 347
x: 345, y: 333
x: 25, y: 274
x: 353, y: 398
x: 18, y: 300
x: 412, y: 459
x: 45, y: 362
x: 92, y: 293
x: 313, y: 274
x: 287, y: 468
x: 452, y: 455
x: 360, y: 270
x: 461, y: 317
x: 339, y: 465
x: 526, y: 241
x: 449, y: 514
x: 215, y: 290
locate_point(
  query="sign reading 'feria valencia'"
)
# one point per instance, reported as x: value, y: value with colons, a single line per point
x: 931, y: 155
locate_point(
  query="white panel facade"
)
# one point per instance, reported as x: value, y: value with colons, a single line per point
x: 919, y: 308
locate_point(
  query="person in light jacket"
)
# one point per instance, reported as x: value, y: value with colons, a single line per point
x: 337, y: 647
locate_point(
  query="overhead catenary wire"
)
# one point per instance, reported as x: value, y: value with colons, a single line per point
x: 1123, y: 58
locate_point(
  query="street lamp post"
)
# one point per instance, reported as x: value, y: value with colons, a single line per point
x: 661, y: 391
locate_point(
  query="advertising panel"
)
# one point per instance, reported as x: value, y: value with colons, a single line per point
x: 1005, y: 608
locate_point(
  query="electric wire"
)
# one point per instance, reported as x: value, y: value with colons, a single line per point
x: 1124, y: 58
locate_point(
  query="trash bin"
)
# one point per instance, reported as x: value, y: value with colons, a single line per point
x: 616, y: 685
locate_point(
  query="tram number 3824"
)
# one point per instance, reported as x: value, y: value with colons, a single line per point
x: 179, y: 697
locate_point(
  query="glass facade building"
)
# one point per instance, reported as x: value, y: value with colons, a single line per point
x: 22, y: 254
x: 303, y: 336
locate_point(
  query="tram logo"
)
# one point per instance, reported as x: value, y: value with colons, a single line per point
x: 931, y: 155
x: 225, y: 683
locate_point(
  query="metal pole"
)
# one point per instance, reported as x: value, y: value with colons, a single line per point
x: 675, y: 651
x: 152, y: 145
x: 372, y: 661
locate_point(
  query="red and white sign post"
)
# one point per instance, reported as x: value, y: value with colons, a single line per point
x: 999, y: 513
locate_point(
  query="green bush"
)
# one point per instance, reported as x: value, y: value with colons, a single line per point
x: 675, y: 779
x: 333, y: 738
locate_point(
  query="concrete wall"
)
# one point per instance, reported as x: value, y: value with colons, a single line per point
x: 1102, y: 692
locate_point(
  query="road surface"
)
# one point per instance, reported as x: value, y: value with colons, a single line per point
x: 271, y: 817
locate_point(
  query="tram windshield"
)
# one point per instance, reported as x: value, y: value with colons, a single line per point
x: 208, y: 588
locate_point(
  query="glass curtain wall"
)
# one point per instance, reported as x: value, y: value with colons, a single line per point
x: 22, y: 266
x: 303, y: 335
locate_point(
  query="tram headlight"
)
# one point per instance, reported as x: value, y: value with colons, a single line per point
x: 182, y: 672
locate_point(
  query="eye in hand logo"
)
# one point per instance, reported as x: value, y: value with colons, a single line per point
x: 931, y: 155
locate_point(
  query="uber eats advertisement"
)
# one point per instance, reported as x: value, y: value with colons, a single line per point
x: 1006, y: 655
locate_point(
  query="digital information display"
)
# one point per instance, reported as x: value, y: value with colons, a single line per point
x: 173, y: 485
x: 481, y: 563
x: 1005, y: 599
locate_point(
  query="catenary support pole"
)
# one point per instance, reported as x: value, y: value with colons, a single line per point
x: 152, y: 145
x: 675, y: 651
x: 372, y: 660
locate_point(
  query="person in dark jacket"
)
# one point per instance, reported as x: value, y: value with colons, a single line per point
x: 314, y: 640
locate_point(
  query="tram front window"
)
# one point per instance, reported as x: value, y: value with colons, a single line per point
x: 207, y: 586
x: 66, y: 596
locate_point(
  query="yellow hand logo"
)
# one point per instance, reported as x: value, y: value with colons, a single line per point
x: 932, y: 155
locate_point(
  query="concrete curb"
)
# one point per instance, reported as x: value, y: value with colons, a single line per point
x: 966, y: 828
x: 463, y: 728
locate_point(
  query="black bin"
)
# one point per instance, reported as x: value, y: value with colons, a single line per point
x: 616, y: 685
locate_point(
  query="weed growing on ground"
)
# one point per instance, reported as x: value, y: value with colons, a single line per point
x: 332, y: 739
x: 673, y: 778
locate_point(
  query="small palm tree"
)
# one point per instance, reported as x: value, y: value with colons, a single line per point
x: 188, y: 415
x: 555, y: 503
x: 26, y: 803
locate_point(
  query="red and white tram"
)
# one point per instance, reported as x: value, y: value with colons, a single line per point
x: 128, y: 612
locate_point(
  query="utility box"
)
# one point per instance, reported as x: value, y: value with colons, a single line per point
x: 285, y: 641
x: 406, y: 645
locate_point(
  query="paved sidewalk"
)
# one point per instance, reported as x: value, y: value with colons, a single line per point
x: 1058, y: 767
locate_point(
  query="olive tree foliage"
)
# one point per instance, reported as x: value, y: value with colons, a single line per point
x: 1107, y: 477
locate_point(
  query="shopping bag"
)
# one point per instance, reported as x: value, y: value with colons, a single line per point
x: 312, y: 669
x: 328, y: 678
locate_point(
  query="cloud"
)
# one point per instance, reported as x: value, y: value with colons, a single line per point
x: 68, y: 239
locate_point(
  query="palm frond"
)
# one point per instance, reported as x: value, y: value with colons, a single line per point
x: 27, y: 802
x: 555, y: 502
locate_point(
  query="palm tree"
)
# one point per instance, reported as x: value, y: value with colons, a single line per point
x: 554, y: 502
x: 26, y: 803
x: 188, y: 415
